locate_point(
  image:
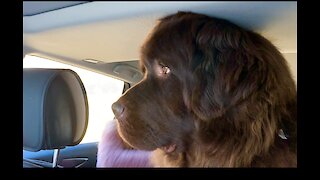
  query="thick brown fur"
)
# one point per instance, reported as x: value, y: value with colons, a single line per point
x: 228, y: 94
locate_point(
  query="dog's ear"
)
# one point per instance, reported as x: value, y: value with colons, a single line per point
x: 226, y: 69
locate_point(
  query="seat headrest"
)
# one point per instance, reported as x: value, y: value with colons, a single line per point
x: 55, y: 109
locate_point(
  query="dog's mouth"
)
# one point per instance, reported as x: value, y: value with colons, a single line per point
x: 149, y: 141
x: 169, y: 148
x: 151, y: 146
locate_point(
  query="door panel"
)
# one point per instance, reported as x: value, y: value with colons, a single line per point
x: 86, y: 150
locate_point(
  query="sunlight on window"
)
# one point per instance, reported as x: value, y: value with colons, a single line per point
x: 101, y: 90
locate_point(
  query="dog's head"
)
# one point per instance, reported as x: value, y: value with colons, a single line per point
x: 207, y: 76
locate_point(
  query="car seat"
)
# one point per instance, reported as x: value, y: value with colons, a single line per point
x: 55, y: 112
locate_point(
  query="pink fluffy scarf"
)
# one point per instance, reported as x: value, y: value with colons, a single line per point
x: 111, y: 152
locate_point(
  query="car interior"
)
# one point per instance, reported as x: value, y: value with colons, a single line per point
x: 105, y: 37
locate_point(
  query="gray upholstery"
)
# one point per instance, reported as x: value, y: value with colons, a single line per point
x: 55, y: 109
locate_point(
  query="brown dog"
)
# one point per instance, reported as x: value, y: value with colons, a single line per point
x: 213, y: 95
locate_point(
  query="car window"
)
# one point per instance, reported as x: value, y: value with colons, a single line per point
x: 101, y: 90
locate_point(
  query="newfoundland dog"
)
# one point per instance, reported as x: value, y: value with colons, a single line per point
x: 213, y: 95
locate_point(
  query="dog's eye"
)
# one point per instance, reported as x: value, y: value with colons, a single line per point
x: 161, y: 70
x: 165, y: 69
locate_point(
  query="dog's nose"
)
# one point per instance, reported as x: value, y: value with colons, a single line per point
x: 117, y: 109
